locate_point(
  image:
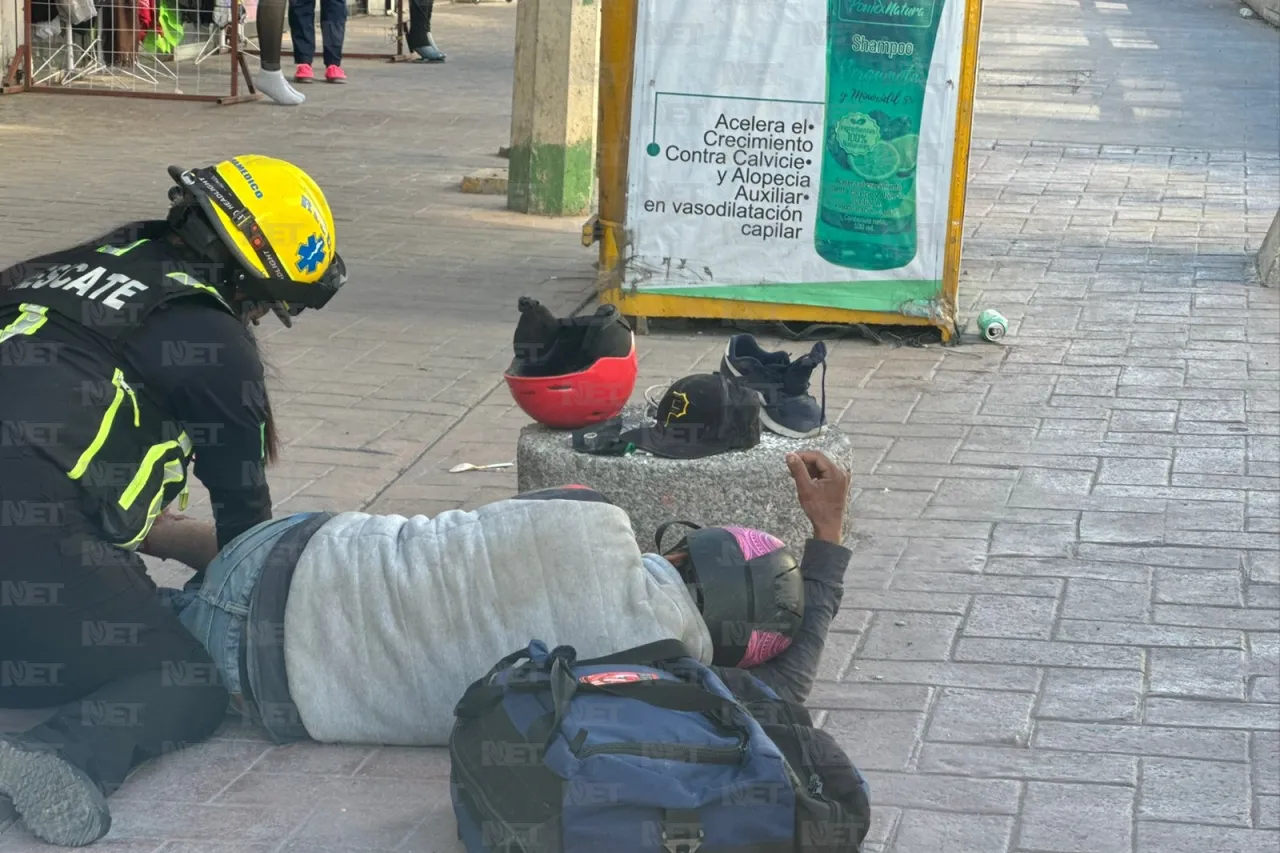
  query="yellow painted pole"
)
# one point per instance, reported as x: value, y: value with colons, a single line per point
x: 617, y: 67
x: 960, y: 160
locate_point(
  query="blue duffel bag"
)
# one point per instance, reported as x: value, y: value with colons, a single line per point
x: 646, y: 751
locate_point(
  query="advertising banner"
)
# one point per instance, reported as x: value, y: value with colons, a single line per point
x: 793, y: 151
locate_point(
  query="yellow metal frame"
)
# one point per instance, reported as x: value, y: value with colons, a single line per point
x: 617, y: 66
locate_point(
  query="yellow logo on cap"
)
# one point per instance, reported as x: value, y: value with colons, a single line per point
x: 684, y: 410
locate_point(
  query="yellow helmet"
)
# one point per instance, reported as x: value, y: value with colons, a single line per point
x: 277, y: 225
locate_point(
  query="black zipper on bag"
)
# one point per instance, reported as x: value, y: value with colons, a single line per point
x: 669, y: 752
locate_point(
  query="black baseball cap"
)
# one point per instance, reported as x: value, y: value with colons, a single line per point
x: 701, y: 415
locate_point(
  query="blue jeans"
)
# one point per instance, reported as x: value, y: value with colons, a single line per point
x: 302, y: 30
x: 217, y: 613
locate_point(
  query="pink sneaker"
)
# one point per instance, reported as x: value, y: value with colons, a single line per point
x: 334, y: 74
x: 304, y: 74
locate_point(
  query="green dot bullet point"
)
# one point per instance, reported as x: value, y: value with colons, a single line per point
x: 653, y: 149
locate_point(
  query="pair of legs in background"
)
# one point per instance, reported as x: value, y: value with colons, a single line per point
x: 333, y: 25
x: 333, y: 29
x: 271, y: 20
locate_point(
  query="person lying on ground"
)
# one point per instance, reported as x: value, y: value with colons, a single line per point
x: 356, y: 628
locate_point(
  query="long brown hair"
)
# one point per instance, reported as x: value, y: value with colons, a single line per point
x: 270, y: 438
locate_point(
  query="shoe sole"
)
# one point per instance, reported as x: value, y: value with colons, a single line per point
x: 57, y: 802
x: 769, y: 423
x: 304, y: 79
x: 8, y: 815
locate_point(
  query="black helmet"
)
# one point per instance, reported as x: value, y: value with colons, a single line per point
x: 546, y: 345
x: 747, y: 586
x: 569, y: 373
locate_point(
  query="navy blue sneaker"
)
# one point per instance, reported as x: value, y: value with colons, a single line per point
x: 787, y: 407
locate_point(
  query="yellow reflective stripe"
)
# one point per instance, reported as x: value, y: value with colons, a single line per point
x: 173, y: 473
x: 184, y: 496
x: 120, y: 250
x: 104, y: 428
x: 153, y: 512
x: 183, y: 278
x: 149, y: 462
x: 27, y: 323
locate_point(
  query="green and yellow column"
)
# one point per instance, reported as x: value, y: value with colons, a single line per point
x: 554, y: 107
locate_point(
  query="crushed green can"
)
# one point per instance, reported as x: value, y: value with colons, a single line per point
x: 992, y: 325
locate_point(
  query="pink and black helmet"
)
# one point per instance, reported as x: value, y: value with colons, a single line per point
x: 747, y: 586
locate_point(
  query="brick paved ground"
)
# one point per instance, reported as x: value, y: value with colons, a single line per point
x: 1061, y: 630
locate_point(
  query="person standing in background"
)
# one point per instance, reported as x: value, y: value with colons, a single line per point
x: 302, y: 31
x: 420, y: 40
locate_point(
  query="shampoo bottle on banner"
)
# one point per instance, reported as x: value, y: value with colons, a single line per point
x: 878, y: 54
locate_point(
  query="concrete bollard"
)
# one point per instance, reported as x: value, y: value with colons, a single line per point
x: 751, y: 488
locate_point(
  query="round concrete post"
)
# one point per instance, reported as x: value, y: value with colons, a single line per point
x: 554, y: 107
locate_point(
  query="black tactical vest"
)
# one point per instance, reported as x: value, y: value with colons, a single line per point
x: 75, y: 405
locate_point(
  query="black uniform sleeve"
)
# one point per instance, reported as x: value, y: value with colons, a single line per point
x: 206, y: 365
x: 792, y: 673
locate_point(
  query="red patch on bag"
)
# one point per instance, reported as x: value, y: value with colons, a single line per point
x: 602, y: 679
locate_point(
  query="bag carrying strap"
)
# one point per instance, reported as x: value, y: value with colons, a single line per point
x: 665, y: 526
x: 668, y: 695
x: 564, y: 685
x: 671, y: 695
x: 483, y: 694
x: 662, y: 650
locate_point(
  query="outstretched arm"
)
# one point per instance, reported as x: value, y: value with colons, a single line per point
x: 823, y: 491
x: 176, y: 537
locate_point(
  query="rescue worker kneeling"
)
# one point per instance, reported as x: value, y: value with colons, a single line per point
x: 127, y: 362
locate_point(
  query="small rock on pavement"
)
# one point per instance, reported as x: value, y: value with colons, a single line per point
x: 486, y: 182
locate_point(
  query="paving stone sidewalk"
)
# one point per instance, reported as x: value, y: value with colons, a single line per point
x: 1062, y: 626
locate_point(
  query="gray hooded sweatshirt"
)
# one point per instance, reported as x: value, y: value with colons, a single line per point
x: 389, y: 619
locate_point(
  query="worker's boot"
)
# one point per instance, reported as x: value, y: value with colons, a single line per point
x: 57, y: 801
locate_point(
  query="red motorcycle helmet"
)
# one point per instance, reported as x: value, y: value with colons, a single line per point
x: 573, y: 372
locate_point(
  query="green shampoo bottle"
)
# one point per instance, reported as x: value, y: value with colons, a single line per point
x: 878, y: 55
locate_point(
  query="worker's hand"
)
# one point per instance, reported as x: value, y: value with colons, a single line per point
x: 823, y: 491
x: 252, y: 312
x: 169, y: 517
x: 160, y: 528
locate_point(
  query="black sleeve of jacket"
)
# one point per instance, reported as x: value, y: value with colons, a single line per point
x: 792, y: 673
x: 206, y: 365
